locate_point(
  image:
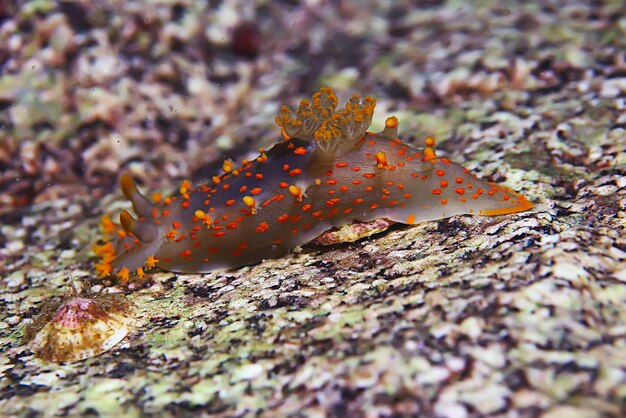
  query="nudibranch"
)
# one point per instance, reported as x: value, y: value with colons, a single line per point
x: 327, y: 172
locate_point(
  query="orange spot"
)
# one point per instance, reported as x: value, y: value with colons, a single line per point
x: 226, y: 187
x: 243, y: 189
x: 506, y: 197
x: 429, y: 141
x: 285, y: 167
x: 256, y: 191
x: 381, y: 159
x: 341, y: 165
x: 283, y: 217
x: 262, y: 158
x: 185, y: 253
x: 258, y: 176
x: 355, y: 168
x: 219, y: 234
x: 295, y: 172
x: 283, y: 184
x: 332, y: 202
x: 300, y: 151
x: 407, y: 195
x: 156, y: 197
x: 307, y: 207
x: 344, y: 188
x: 373, y: 206
x: 107, y: 226
x: 227, y: 166
x: 369, y: 175
x: 460, y: 190
x: 391, y: 122
x: 444, y: 201
x: 171, y: 234
x: 440, y: 172
x: 250, y: 202
x: 436, y: 191
x: 123, y: 274
x: 357, y: 201
x: 184, y: 189
x: 410, y: 219
x: 356, y: 182
x: 176, y: 224
x: 347, y: 211
x: 369, y: 188
x: 151, y: 261
x: 429, y: 154
x: 296, y: 192
x: 443, y: 183
x: 230, y: 202
x: 243, y: 246
x: 331, y: 182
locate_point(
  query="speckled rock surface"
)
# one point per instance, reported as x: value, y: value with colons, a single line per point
x: 521, y: 315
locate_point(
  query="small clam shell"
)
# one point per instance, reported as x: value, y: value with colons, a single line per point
x: 81, y: 328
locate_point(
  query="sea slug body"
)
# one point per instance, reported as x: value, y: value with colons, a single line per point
x: 328, y: 172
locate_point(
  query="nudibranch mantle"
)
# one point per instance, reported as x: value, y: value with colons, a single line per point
x: 328, y: 172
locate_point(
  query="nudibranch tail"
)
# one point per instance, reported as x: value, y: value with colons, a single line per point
x: 327, y: 173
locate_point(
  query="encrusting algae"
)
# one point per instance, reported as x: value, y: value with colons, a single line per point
x: 327, y: 172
